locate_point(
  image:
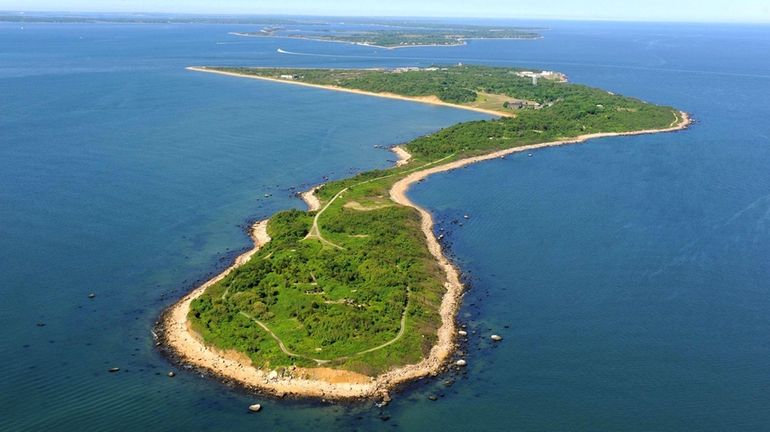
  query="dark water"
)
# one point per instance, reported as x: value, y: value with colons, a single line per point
x: 631, y: 273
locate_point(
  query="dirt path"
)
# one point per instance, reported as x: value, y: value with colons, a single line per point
x: 285, y: 350
x: 401, y: 330
x: 281, y: 345
x: 315, y: 231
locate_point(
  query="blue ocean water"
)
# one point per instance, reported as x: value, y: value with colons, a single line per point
x: 627, y: 275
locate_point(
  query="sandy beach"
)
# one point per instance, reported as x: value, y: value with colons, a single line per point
x: 430, y: 100
x: 312, y: 201
x: 178, y: 337
x: 403, y: 155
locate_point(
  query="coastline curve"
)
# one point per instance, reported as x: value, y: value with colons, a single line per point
x: 178, y: 338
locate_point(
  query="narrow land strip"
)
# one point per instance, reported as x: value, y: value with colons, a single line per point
x: 430, y: 100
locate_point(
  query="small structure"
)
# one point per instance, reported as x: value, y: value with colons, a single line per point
x: 405, y: 69
x: 518, y: 104
x: 549, y: 75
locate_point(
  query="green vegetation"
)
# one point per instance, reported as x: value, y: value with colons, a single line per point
x: 415, y: 37
x: 403, y: 34
x: 337, y: 292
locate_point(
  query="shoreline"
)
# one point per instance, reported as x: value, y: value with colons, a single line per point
x: 429, y: 100
x: 461, y: 41
x: 312, y: 201
x: 363, y: 44
x: 178, y: 338
x: 403, y: 155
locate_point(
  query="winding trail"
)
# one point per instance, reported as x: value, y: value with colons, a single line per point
x: 281, y: 345
x: 315, y: 231
x: 285, y: 350
x: 309, y: 197
x: 401, y: 330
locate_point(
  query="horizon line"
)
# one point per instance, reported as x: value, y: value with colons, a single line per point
x: 426, y: 17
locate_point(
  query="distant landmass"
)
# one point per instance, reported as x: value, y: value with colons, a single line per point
x: 404, y: 34
x: 138, y: 18
x: 371, y: 32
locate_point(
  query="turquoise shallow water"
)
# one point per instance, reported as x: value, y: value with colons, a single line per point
x: 631, y: 273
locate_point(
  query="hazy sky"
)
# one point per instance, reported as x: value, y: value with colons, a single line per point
x: 665, y: 10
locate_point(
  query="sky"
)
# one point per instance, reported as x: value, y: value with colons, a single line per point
x: 626, y: 10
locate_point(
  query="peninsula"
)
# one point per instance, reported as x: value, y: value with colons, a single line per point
x: 355, y: 296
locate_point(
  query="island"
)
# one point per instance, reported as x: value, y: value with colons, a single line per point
x: 402, y: 35
x: 355, y: 296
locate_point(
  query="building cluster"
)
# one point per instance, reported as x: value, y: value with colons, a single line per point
x: 416, y: 69
x: 550, y: 75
